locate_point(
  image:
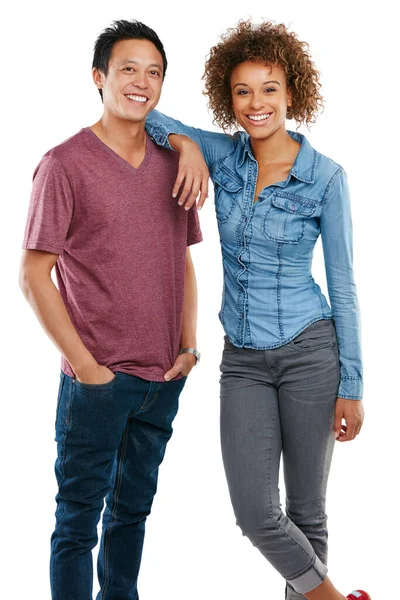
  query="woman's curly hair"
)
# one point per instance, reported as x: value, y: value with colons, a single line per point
x: 272, y: 44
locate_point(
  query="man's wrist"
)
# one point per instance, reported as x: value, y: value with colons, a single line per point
x: 192, y: 351
x: 82, y: 369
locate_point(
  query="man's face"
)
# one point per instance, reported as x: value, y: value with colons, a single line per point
x: 132, y: 87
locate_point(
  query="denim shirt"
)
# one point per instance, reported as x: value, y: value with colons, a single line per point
x: 269, y: 294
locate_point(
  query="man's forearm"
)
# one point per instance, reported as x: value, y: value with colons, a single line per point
x: 45, y: 300
x: 189, y: 320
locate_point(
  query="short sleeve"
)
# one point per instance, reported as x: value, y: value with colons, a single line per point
x: 194, y: 235
x: 50, y: 209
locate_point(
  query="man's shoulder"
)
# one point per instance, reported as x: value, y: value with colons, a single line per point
x: 165, y: 156
x: 69, y: 148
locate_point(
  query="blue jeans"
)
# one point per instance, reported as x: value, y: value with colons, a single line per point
x: 111, y: 439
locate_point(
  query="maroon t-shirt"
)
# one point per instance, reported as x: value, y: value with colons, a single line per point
x: 121, y: 240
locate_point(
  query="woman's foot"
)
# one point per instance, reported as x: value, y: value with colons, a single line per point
x: 358, y: 595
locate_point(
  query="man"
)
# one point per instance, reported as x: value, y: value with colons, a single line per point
x: 123, y: 318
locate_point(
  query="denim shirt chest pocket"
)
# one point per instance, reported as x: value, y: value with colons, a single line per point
x: 227, y: 188
x: 288, y: 216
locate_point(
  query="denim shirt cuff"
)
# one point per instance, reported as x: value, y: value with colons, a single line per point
x: 160, y: 133
x: 351, y: 388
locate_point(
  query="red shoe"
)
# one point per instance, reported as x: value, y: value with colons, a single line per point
x: 358, y: 595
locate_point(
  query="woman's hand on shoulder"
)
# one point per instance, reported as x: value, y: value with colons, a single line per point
x: 352, y: 413
x: 193, y: 173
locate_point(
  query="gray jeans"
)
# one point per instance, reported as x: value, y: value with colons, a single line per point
x: 282, y: 402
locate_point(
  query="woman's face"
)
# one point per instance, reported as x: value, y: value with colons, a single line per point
x: 260, y: 98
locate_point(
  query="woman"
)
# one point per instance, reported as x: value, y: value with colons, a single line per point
x: 291, y: 367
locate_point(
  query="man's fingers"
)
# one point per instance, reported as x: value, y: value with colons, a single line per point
x: 172, y: 373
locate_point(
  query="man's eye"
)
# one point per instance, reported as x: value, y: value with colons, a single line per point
x: 155, y: 73
x: 130, y: 69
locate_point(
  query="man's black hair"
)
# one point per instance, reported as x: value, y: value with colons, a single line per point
x: 123, y: 30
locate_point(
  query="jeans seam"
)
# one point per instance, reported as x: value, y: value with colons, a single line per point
x: 107, y: 533
x: 59, y: 396
x: 66, y: 425
x: 63, y: 453
x: 278, y: 525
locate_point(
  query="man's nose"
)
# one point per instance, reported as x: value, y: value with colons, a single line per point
x: 140, y: 80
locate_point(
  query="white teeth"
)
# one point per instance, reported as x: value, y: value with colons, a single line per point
x: 137, y: 98
x: 258, y: 117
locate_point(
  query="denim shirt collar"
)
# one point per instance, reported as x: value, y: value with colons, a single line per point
x: 303, y: 167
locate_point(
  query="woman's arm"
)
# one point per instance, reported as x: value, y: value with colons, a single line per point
x: 199, y: 150
x: 337, y: 241
x: 212, y: 145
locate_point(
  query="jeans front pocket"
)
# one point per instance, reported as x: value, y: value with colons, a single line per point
x: 229, y: 348
x: 97, y: 386
x: 316, y: 336
x: 60, y: 391
x: 286, y: 218
x: 227, y: 187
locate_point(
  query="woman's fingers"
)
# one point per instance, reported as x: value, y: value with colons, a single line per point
x: 178, y: 183
x: 204, y: 191
x: 192, y: 178
x: 196, y: 184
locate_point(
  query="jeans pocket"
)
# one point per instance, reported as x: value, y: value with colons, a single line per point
x: 229, y: 348
x: 316, y: 336
x: 97, y: 386
x: 60, y: 391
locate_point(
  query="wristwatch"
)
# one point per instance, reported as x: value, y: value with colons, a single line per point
x: 193, y: 351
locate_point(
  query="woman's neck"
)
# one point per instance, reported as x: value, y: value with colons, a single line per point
x: 278, y: 147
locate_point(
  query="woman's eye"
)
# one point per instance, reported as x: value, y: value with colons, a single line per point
x: 270, y: 90
x: 242, y: 92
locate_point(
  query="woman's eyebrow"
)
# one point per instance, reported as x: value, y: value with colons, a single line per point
x: 265, y: 83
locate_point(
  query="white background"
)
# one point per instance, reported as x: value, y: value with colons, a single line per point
x: 193, y: 549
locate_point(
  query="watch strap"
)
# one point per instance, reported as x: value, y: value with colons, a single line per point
x: 193, y: 351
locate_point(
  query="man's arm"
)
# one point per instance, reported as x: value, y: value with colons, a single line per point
x: 45, y: 299
x: 185, y: 362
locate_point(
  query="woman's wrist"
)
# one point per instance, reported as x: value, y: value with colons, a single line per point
x: 178, y: 141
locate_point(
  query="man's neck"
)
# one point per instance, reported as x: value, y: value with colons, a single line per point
x: 126, y: 138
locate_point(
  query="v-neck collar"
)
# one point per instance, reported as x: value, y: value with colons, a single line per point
x: 124, y: 163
